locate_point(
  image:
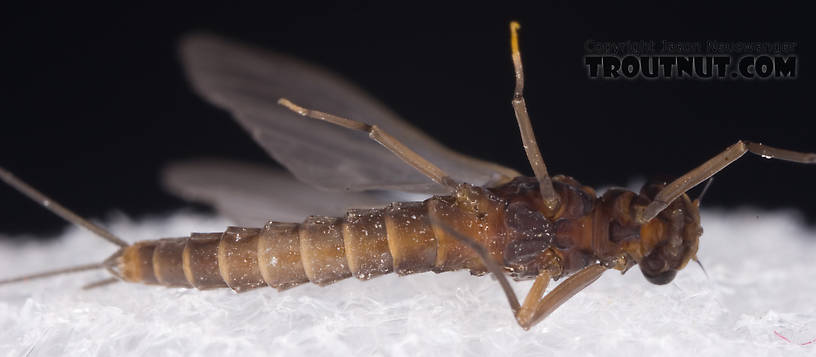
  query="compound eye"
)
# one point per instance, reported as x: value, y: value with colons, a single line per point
x: 660, y: 278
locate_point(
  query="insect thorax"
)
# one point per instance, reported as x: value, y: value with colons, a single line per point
x: 586, y: 229
x: 560, y: 244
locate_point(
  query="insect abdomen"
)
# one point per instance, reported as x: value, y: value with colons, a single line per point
x: 365, y: 243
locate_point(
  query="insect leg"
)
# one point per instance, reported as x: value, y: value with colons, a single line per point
x: 489, y: 263
x: 535, y: 308
x: 375, y: 133
x: 527, y: 135
x: 557, y: 296
x: 528, y: 308
x: 686, y: 182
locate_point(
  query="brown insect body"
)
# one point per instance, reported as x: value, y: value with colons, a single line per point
x: 406, y: 237
x: 491, y: 220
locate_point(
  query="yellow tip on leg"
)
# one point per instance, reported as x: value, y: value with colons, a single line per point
x: 292, y: 106
x: 514, y: 26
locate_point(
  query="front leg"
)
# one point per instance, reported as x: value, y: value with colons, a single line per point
x: 732, y: 153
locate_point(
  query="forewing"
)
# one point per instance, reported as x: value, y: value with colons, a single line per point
x: 248, y: 82
x: 252, y: 194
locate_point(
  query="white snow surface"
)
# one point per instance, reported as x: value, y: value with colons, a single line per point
x: 758, y: 300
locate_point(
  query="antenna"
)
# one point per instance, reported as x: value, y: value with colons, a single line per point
x: 697, y: 260
x: 699, y: 200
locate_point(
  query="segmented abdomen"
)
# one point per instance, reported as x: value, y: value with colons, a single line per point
x: 322, y: 250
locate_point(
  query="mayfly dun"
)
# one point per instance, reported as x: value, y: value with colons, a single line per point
x: 482, y: 217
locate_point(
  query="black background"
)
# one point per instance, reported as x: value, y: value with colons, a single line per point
x: 94, y: 101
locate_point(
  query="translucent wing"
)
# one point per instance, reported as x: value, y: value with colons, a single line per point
x: 251, y: 194
x: 248, y: 82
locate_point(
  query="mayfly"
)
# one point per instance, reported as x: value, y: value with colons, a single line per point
x: 482, y: 217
